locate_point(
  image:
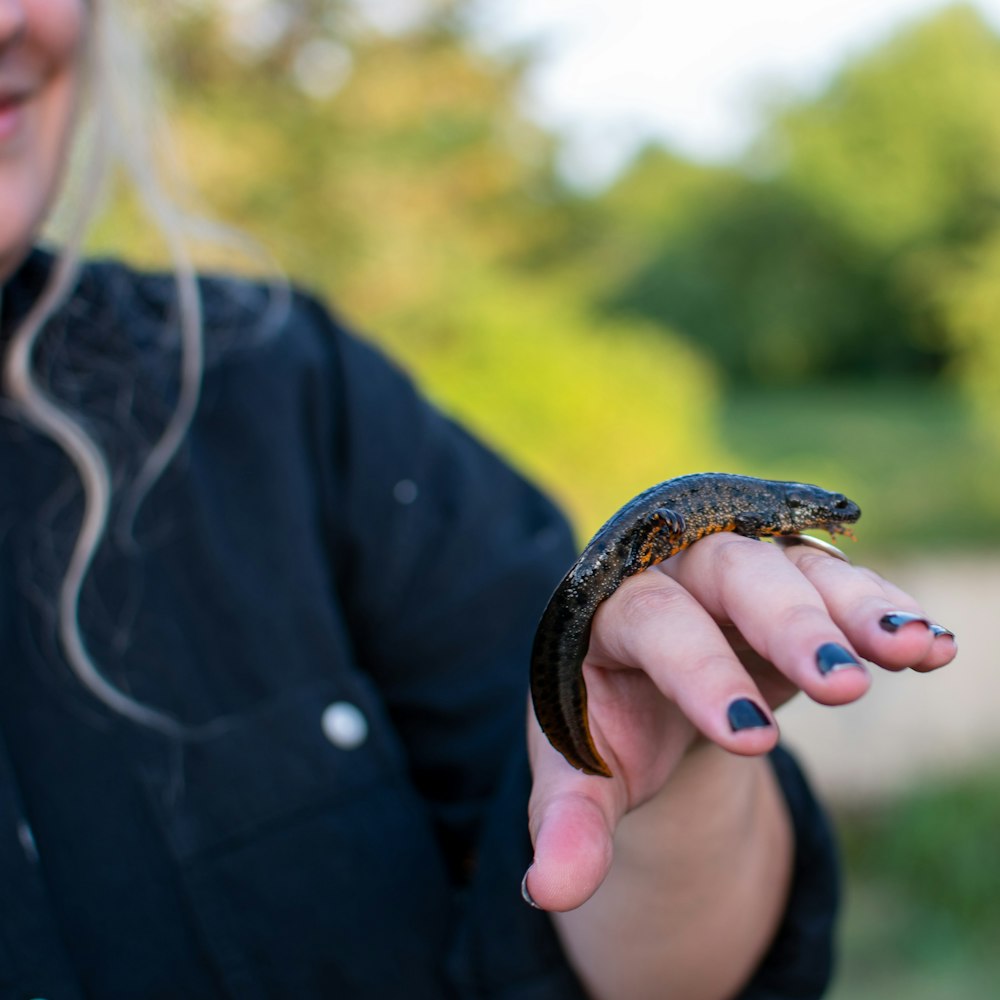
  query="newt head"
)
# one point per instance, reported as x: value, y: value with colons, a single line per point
x: 808, y: 506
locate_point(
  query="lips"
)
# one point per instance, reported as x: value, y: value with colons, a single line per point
x: 11, y: 114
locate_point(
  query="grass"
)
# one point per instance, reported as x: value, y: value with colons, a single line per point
x: 909, y: 453
x: 923, y: 894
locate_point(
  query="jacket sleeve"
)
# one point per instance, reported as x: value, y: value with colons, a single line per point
x: 799, y: 964
x: 446, y: 559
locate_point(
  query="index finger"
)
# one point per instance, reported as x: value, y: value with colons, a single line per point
x: 887, y: 624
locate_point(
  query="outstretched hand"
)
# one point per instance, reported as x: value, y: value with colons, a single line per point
x: 698, y: 651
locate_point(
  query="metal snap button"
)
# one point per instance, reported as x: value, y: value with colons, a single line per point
x: 344, y: 725
x: 405, y: 491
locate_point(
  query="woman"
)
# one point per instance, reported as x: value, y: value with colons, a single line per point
x: 263, y: 706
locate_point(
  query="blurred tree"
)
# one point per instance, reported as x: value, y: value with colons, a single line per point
x: 367, y: 161
x: 969, y: 303
x: 756, y: 276
x: 831, y: 260
x: 903, y: 149
x: 903, y: 153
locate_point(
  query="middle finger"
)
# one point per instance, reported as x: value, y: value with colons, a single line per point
x: 778, y: 611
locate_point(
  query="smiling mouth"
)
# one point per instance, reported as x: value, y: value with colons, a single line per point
x: 12, y: 96
x: 11, y: 113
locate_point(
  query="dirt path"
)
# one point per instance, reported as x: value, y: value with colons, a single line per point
x: 908, y: 726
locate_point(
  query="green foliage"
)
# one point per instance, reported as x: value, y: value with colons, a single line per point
x: 849, y: 241
x: 660, y: 196
x: 938, y: 846
x: 418, y: 157
x: 903, y: 149
x: 924, y: 892
x: 969, y: 300
x: 906, y: 451
x: 756, y: 274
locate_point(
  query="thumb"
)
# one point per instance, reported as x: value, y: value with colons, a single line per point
x: 572, y: 818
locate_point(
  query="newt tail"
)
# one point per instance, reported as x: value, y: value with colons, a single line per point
x: 651, y: 527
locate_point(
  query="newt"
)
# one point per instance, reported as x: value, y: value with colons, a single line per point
x: 653, y: 526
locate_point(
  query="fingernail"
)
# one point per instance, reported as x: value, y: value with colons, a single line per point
x: 940, y: 630
x: 895, y: 620
x: 525, y: 895
x: 832, y: 656
x: 744, y: 714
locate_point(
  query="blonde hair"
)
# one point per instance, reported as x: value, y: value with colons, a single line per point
x: 120, y: 108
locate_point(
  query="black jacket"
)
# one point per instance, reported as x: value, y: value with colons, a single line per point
x: 349, y: 582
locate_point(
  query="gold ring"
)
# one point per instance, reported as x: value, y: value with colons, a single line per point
x: 786, y: 541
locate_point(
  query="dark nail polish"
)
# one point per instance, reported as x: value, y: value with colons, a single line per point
x: 939, y: 630
x: 895, y: 620
x: 525, y: 895
x: 744, y: 714
x: 832, y: 656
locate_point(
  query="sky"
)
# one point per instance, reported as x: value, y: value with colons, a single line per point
x: 613, y: 74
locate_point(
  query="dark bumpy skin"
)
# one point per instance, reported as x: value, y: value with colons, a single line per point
x: 650, y: 528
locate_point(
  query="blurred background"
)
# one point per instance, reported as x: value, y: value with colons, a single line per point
x: 625, y: 242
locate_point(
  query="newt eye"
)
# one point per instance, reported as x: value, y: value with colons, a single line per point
x: 841, y: 502
x: 795, y: 500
